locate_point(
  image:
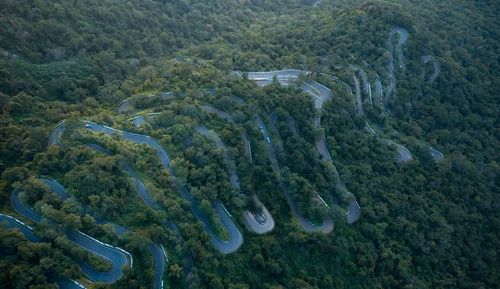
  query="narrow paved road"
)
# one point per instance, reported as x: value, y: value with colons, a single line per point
x: 56, y: 133
x: 231, y: 166
x: 327, y: 225
x: 320, y: 94
x: 235, y: 240
x: 435, y: 65
x: 359, y: 102
x: 27, y: 231
x: 118, y: 257
x: 403, y: 36
x: 366, y: 83
x: 224, y: 115
x: 139, y: 120
x: 159, y: 255
x: 404, y: 154
x: 284, y: 76
x: 320, y: 91
x: 126, y: 105
x: 259, y: 222
x: 379, y: 93
x: 435, y: 153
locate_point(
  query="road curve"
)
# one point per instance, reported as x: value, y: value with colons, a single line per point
x: 435, y: 153
x: 56, y: 133
x: 261, y: 222
x: 317, y: 90
x: 236, y: 239
x: 345, y: 85
x: 214, y: 137
x: 284, y: 76
x: 139, y: 120
x: 404, y: 154
x: 320, y: 93
x: 379, y: 93
x: 403, y: 36
x: 118, y: 257
x: 366, y: 83
x: 227, y: 117
x: 27, y: 231
x: 159, y: 255
x: 353, y: 212
x: 359, y: 102
x: 327, y: 225
x: 127, y: 106
x: 437, y: 68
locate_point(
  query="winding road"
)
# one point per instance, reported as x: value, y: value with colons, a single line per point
x: 235, y: 240
x: 317, y: 90
x: 56, y: 133
x: 126, y: 105
x: 214, y: 137
x: 118, y: 257
x: 243, y: 134
x: 366, y: 83
x: 379, y: 93
x: 261, y: 222
x: 403, y: 36
x: 284, y: 77
x: 27, y: 231
x: 320, y: 94
x: 327, y: 225
x: 435, y: 65
x: 435, y: 153
x: 158, y: 253
x: 404, y: 155
x: 139, y: 120
x: 359, y: 103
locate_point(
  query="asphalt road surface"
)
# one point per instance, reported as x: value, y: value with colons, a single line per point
x: 259, y: 222
x: 235, y: 240
x: 116, y: 256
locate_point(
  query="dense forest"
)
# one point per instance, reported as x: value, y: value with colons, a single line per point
x: 139, y: 125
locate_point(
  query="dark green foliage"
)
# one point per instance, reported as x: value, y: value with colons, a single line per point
x: 423, y: 225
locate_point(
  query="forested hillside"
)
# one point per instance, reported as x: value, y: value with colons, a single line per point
x: 249, y: 144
